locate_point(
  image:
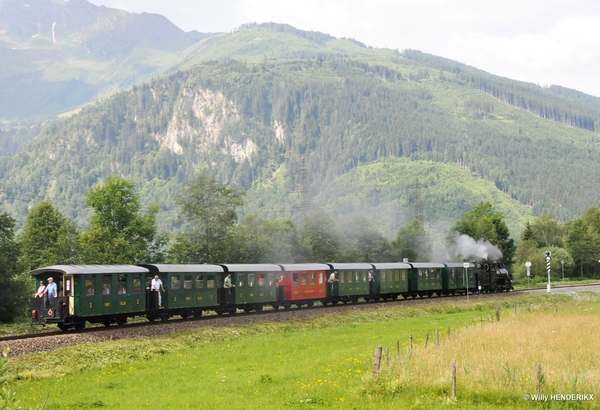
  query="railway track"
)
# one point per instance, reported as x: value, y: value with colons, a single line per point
x: 28, y: 343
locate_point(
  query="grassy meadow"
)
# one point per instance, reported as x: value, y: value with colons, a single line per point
x: 327, y: 361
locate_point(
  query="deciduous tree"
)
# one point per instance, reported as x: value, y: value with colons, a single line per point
x: 207, y: 214
x: 118, y: 232
x: 47, y: 238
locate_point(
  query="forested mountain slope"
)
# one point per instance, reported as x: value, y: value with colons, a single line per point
x: 285, y: 128
x: 56, y: 55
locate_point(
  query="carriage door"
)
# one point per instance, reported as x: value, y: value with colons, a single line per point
x: 70, y: 293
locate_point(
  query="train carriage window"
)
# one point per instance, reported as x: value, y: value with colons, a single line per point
x: 295, y: 279
x: 397, y: 274
x: 200, y: 282
x: 312, y: 278
x: 210, y: 281
x: 148, y: 282
x: 89, y: 287
x: 122, y: 284
x: 364, y: 276
x: 403, y: 275
x: 383, y: 276
x: 321, y: 276
x: 271, y: 278
x: 420, y: 273
x: 175, y: 282
x: 251, y: 280
x: 304, y: 278
x: 261, y: 280
x: 349, y: 277
x: 137, y: 283
x: 106, y: 284
x: 241, y: 280
x: 357, y: 277
x: 187, y: 282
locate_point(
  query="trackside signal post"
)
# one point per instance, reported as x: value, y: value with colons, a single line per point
x: 528, y: 264
x: 466, y: 266
x: 548, y: 260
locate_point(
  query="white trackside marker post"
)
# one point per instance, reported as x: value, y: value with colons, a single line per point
x: 528, y: 264
x: 548, y: 259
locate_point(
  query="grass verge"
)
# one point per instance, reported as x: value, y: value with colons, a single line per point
x: 322, y: 362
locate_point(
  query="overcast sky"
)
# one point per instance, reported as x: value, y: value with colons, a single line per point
x: 541, y: 41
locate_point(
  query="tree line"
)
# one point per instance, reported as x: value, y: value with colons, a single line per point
x: 210, y: 232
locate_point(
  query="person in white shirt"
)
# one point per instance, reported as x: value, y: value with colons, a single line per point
x: 332, y: 277
x: 157, y: 285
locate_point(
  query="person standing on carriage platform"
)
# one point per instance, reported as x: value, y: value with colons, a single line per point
x: 51, y: 292
x: 157, y: 286
x: 228, y: 285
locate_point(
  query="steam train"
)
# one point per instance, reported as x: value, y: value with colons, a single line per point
x: 110, y: 294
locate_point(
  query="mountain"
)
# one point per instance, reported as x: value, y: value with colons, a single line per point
x: 56, y: 55
x: 304, y: 121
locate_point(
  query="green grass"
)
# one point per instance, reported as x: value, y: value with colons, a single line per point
x: 322, y: 362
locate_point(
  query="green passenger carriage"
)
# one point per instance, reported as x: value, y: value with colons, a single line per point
x: 94, y: 293
x: 255, y: 285
x: 391, y: 279
x: 352, y: 282
x: 190, y: 289
x: 456, y: 278
x: 428, y: 278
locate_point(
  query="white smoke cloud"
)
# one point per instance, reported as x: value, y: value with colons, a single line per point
x: 467, y: 248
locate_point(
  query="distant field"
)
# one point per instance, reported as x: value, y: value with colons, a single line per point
x: 327, y: 361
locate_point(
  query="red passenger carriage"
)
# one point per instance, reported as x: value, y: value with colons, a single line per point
x: 302, y: 284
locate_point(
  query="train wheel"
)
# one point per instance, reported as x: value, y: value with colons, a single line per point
x: 63, y: 327
x: 310, y: 304
x: 197, y: 313
x: 334, y: 302
x: 287, y: 307
x: 164, y: 318
x: 219, y: 312
x: 276, y: 307
x: 259, y: 308
x: 106, y: 323
x: 232, y: 311
x: 151, y: 319
x: 80, y: 326
x: 121, y: 321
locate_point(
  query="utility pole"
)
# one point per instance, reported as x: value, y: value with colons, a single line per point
x: 418, y: 201
x: 301, y: 190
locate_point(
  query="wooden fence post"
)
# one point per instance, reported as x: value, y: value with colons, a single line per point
x: 497, y: 314
x: 426, y: 339
x: 448, y: 332
x: 453, y: 380
x: 410, y: 344
x: 377, y: 362
x: 437, y: 337
x: 515, y: 310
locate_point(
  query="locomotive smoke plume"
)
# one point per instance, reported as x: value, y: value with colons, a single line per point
x: 467, y: 248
